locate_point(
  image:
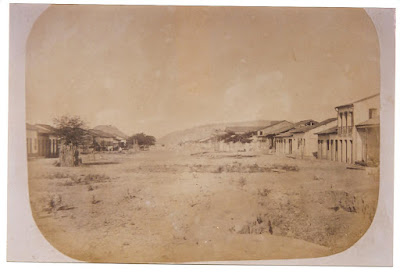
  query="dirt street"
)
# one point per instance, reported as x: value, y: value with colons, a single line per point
x: 164, y: 206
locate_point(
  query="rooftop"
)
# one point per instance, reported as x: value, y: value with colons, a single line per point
x: 308, y: 128
x: 357, y: 101
x: 45, y: 128
x: 30, y: 127
x: 99, y: 133
x: 279, y: 129
x: 332, y: 130
x: 286, y: 134
x: 370, y: 122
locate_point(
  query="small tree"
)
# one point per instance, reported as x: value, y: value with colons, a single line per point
x: 71, y: 131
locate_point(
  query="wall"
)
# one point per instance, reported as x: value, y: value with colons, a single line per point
x: 31, y: 142
x: 361, y: 114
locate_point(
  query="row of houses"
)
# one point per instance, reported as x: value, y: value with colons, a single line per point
x: 350, y: 137
x: 42, y: 141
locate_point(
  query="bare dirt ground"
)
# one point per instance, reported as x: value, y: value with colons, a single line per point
x: 162, y: 206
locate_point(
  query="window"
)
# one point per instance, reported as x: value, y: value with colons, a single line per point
x: 35, y: 144
x: 373, y: 113
x: 327, y: 144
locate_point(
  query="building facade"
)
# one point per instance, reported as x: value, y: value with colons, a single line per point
x: 356, y: 138
x: 305, y: 142
x: 266, y: 135
x: 284, y: 142
x: 41, y: 141
x: 31, y: 140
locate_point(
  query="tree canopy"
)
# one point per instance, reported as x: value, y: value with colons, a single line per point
x: 71, y: 130
x: 142, y: 139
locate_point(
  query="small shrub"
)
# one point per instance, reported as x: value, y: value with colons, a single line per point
x: 94, y: 201
x: 129, y: 195
x: 220, y: 169
x: 264, y: 193
x: 95, y: 178
x: 242, y: 182
x: 58, y: 175
x: 286, y: 167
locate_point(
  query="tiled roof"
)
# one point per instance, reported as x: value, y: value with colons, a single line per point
x: 30, y: 127
x: 308, y: 128
x: 286, y: 134
x: 44, y: 128
x: 99, y: 133
x: 370, y: 122
x: 277, y: 128
x: 297, y: 124
x: 332, y: 130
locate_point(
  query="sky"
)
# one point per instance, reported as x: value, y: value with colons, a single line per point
x: 160, y: 69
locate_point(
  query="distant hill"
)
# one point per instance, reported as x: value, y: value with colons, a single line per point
x: 209, y: 130
x: 109, y: 129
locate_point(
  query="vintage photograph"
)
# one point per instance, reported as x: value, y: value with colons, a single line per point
x: 180, y: 134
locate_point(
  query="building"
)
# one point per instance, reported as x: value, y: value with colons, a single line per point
x: 102, y: 141
x: 356, y: 137
x: 326, y: 144
x: 266, y: 135
x: 240, y: 130
x: 304, y: 138
x: 41, y: 141
x: 31, y: 140
x: 284, y: 140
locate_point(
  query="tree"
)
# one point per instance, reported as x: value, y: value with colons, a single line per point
x: 71, y: 130
x: 72, y: 133
x: 232, y: 137
x: 142, y: 139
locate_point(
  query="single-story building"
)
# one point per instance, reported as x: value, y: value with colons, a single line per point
x: 42, y: 141
x: 284, y: 140
x: 304, y: 138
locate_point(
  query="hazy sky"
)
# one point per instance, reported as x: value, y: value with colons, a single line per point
x: 159, y: 69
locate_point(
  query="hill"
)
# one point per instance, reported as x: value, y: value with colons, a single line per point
x: 109, y: 129
x: 209, y: 130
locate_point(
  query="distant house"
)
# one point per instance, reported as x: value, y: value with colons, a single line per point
x: 284, y: 140
x: 103, y: 141
x: 119, y: 137
x: 240, y: 130
x: 356, y: 137
x: 41, y: 140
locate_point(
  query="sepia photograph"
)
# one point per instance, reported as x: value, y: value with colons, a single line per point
x: 185, y: 134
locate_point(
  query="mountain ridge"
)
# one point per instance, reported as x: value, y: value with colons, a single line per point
x: 207, y: 130
x: 110, y: 129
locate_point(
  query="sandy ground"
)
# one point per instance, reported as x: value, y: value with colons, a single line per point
x: 162, y: 206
